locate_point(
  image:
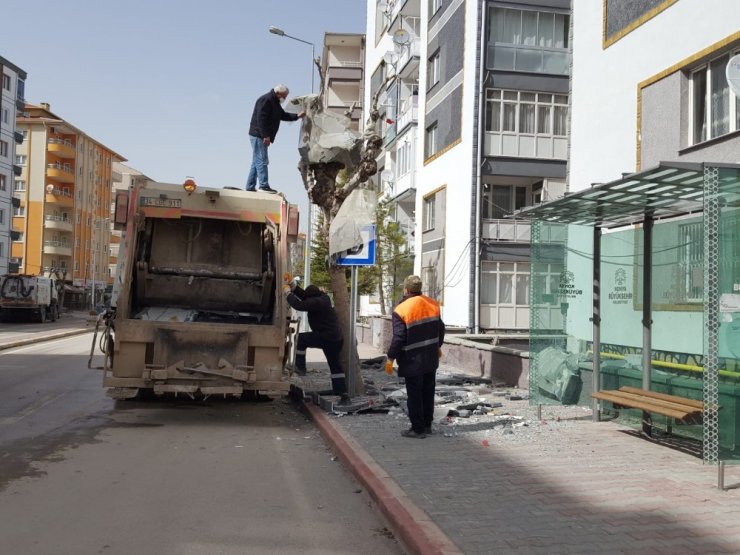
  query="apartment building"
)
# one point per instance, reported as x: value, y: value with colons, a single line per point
x: 11, y: 102
x: 64, y: 194
x: 490, y: 94
x: 342, y: 64
x: 393, y: 61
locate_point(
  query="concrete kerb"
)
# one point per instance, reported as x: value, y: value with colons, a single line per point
x: 50, y: 337
x: 412, y: 527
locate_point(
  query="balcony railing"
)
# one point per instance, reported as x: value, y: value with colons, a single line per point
x: 60, y: 192
x: 54, y: 218
x: 63, y: 244
x: 410, y: 51
x: 61, y: 167
x: 65, y: 142
x: 409, y: 112
x: 507, y: 230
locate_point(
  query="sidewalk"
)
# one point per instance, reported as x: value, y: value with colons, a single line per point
x: 560, y: 485
x: 25, y: 333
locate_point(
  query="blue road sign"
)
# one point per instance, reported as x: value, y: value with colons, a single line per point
x: 365, y: 256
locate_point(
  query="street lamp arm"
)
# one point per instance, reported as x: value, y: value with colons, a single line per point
x: 296, y: 38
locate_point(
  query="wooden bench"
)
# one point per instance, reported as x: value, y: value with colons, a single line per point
x: 680, y: 409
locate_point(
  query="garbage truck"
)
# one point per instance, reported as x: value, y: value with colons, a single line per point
x: 197, y: 306
x: 27, y: 297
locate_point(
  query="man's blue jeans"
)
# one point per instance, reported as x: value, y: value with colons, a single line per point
x: 259, y: 164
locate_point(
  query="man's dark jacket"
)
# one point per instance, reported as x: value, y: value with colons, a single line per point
x: 267, y: 115
x: 418, y: 333
x: 321, y: 315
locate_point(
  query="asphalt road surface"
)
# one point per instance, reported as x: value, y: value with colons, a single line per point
x: 81, y: 474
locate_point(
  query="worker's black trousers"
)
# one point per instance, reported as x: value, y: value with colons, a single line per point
x: 420, y: 393
x: 332, y: 351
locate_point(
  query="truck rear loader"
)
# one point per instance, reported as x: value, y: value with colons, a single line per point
x: 197, y: 303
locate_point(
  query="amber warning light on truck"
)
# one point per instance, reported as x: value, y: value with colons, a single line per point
x: 189, y: 185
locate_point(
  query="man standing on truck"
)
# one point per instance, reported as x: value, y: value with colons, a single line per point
x: 326, y: 334
x: 266, y: 118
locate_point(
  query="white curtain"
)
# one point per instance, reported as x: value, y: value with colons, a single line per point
x: 720, y: 98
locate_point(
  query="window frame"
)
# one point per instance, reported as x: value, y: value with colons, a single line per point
x: 430, y: 212
x: 431, y: 139
x: 6, y: 81
x: 4, y: 148
x: 493, y: 268
x: 733, y: 115
x: 433, y: 69
x: 434, y: 7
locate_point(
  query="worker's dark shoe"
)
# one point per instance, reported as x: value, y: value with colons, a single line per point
x: 300, y: 371
x: 428, y: 430
x: 344, y: 399
x: 411, y: 433
x: 268, y: 189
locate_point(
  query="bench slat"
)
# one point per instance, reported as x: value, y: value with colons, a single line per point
x: 663, y: 396
x: 627, y: 400
x: 658, y: 402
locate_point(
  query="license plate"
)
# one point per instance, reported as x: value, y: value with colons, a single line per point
x: 161, y: 202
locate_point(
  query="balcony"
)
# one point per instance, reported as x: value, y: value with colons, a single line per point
x: 62, y: 148
x: 20, y: 104
x: 62, y: 248
x: 61, y: 172
x: 18, y: 137
x: 403, y: 8
x: 526, y: 145
x: 408, y: 59
x: 59, y: 196
x: 409, y: 113
x: 57, y: 222
x: 507, y: 230
x: 342, y: 70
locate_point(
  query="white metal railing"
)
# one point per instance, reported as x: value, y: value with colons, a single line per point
x: 411, y: 50
x: 60, y: 192
x: 55, y: 218
x: 410, y: 114
x: 65, y: 142
x: 507, y: 230
x: 61, y: 167
x: 63, y: 244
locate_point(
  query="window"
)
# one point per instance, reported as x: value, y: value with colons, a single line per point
x: 429, y: 212
x: 3, y: 148
x: 19, y: 238
x: 714, y: 110
x: 531, y: 41
x: 6, y: 82
x: 429, y: 282
x: 433, y: 70
x: 528, y: 113
x: 430, y: 146
x: 404, y: 158
x: 505, y: 283
x: 19, y: 211
x: 2, y: 216
x: 19, y: 185
x: 2, y: 250
x: 500, y: 200
x: 20, y: 159
x: 434, y: 6
x: 6, y: 116
x: 77, y: 266
x: 691, y: 260
x: 3, y: 183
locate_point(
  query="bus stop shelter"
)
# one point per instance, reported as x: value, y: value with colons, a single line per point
x: 636, y: 282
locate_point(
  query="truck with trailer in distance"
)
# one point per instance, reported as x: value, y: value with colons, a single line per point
x: 197, y: 306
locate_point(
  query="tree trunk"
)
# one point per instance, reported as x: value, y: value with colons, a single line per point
x: 346, y: 321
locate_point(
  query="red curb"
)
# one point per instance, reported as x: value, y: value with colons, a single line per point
x: 412, y: 527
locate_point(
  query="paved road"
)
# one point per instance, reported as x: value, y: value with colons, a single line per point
x: 81, y: 474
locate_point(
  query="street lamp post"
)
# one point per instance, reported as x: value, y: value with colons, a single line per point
x: 307, y: 261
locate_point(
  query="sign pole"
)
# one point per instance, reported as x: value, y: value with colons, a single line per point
x: 352, y: 333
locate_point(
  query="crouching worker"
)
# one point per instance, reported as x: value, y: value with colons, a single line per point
x: 326, y: 334
x: 418, y: 334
